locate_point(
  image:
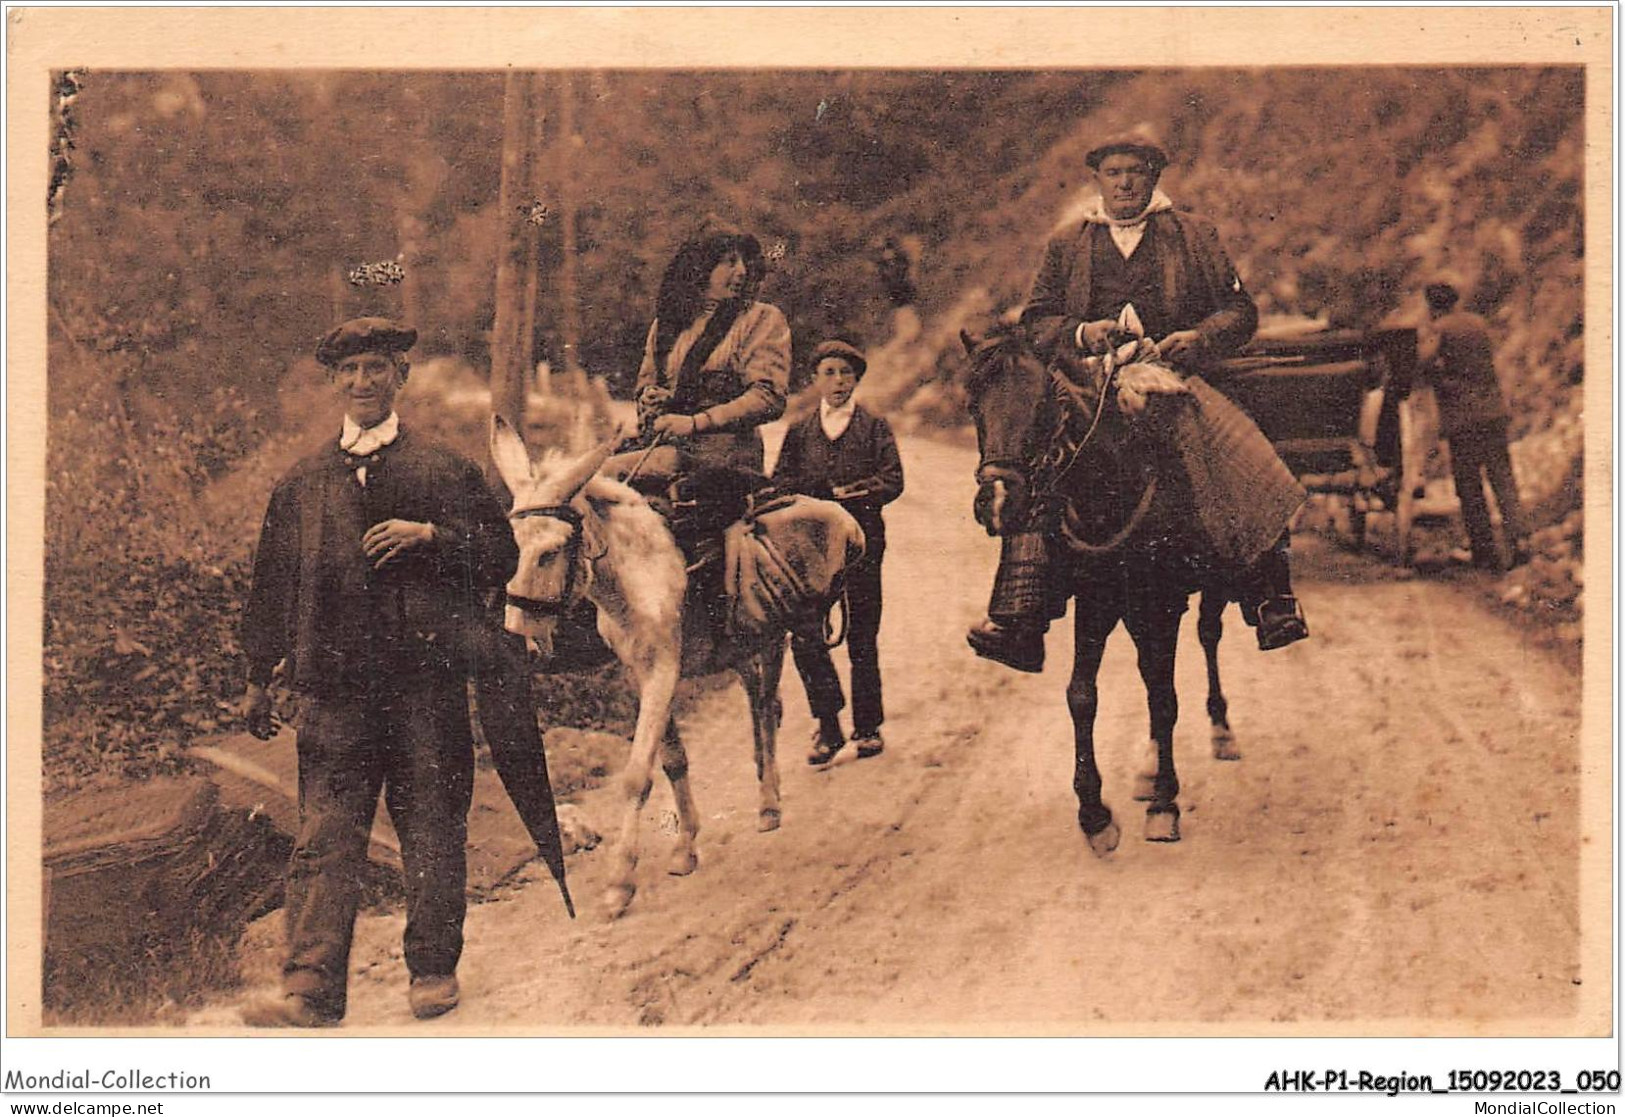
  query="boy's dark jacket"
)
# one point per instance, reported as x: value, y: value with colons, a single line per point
x: 864, y: 457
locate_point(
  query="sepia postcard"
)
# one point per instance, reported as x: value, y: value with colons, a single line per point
x: 1077, y: 532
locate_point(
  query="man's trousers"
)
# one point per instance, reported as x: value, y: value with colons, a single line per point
x: 410, y: 738
x: 817, y: 669
x: 1477, y: 453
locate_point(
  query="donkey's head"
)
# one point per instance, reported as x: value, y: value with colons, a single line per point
x: 547, y: 526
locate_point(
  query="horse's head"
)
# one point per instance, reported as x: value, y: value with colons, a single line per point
x: 547, y: 527
x: 1008, y: 394
x: 1007, y: 390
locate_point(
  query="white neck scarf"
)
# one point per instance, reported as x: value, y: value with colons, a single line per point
x: 361, y: 441
x: 835, y: 420
x: 1127, y: 232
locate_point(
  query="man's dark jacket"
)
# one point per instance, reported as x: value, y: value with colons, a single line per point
x: 316, y: 599
x: 1243, y: 496
x: 1200, y: 287
x: 1463, y: 374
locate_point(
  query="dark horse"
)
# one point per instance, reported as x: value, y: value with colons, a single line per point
x: 1117, y: 524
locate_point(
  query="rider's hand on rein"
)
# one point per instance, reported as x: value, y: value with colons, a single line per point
x: 677, y: 426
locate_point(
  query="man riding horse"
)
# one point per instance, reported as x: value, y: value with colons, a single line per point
x: 1130, y: 248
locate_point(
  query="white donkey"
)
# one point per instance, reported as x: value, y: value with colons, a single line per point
x: 581, y: 534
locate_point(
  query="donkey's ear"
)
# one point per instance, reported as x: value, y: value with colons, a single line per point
x: 967, y: 341
x: 509, y: 453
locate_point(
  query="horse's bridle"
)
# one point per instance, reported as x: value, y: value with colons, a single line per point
x: 572, y: 559
x: 1050, y: 466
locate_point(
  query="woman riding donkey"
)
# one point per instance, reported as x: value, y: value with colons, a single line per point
x: 1132, y: 248
x: 716, y: 366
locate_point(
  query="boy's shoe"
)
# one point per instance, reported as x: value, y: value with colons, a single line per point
x: 289, y: 1010
x: 869, y: 744
x: 1280, y: 622
x: 1017, y: 646
x: 433, y: 996
x: 824, y: 748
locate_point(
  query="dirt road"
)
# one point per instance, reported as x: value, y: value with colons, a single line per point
x: 1399, y: 843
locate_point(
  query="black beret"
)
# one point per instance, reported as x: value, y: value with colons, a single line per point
x: 1131, y: 143
x: 365, y: 335
x: 845, y: 350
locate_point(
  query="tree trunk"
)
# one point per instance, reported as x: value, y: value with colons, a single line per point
x: 569, y: 310
x: 535, y: 229
x: 507, y: 378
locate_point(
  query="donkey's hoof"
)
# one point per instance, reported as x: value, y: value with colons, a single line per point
x: 1162, y: 826
x: 1145, y: 788
x: 768, y: 819
x: 683, y: 862
x: 1105, y: 841
x: 617, y: 898
x: 1224, y: 744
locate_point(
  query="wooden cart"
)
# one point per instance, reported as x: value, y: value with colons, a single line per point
x: 1331, y: 402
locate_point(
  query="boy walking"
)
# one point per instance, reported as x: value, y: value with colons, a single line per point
x: 843, y: 453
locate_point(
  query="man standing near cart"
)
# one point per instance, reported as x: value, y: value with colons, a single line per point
x: 1458, y: 359
x: 371, y: 564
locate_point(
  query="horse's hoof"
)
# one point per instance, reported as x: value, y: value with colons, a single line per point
x: 1224, y: 744
x: 1145, y: 787
x: 1161, y: 826
x: 617, y: 898
x: 683, y: 862
x: 768, y: 819
x: 1105, y: 841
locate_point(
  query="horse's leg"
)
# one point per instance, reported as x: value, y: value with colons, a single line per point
x: 674, y: 762
x: 1083, y: 698
x: 1156, y: 635
x: 654, y: 712
x: 761, y: 677
x: 1210, y: 630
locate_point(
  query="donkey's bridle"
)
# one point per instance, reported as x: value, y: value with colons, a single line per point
x: 572, y: 558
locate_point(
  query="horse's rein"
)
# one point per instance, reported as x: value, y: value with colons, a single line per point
x: 1058, y: 453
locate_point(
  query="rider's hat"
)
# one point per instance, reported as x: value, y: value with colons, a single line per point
x: 1137, y: 141
x: 365, y: 335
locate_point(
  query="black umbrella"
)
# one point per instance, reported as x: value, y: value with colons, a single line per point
x: 508, y: 717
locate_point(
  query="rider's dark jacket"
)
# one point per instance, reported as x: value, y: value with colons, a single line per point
x: 1186, y: 280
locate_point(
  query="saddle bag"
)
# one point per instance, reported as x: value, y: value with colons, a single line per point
x: 784, y: 565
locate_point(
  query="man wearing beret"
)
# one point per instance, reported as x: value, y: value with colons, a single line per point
x: 841, y: 452
x: 371, y: 562
x: 1130, y: 247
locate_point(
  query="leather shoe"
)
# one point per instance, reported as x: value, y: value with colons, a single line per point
x: 1020, y: 647
x: 1280, y: 622
x: 290, y: 1010
x: 869, y: 744
x: 433, y: 996
x: 824, y: 748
